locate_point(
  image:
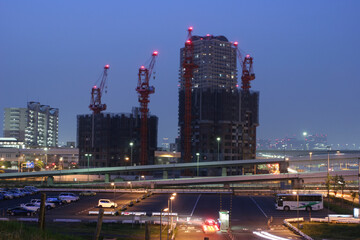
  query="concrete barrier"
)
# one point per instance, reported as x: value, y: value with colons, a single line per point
x: 27, y: 219
x: 288, y: 224
x: 105, y: 212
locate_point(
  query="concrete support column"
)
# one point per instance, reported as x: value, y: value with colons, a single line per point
x: 50, y: 180
x: 223, y: 172
x: 165, y: 174
x: 107, y: 177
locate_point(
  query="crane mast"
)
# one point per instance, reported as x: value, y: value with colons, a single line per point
x: 144, y: 90
x: 188, y: 66
x: 246, y: 64
x: 96, y: 93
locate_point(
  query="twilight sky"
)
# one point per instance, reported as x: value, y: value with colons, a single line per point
x: 306, y: 58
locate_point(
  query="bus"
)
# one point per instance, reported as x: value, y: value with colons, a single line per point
x: 306, y: 202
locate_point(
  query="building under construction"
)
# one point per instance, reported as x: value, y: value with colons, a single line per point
x: 108, y: 144
x: 224, y: 117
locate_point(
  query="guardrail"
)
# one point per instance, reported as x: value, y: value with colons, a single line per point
x: 287, y: 222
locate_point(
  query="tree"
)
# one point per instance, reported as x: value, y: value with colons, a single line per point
x: 342, y: 185
x: 335, y: 183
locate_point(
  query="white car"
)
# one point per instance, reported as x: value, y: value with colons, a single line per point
x: 30, y: 206
x: 107, y: 203
x: 68, y: 197
x: 37, y: 202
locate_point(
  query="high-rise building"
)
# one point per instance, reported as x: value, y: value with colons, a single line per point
x: 104, y: 139
x: 224, y: 118
x: 15, y: 121
x: 42, y: 125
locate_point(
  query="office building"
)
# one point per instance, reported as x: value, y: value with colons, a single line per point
x: 42, y: 125
x: 104, y: 139
x: 15, y: 122
x: 224, y: 118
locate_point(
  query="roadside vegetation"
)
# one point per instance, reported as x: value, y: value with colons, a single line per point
x: 75, y: 231
x: 332, y: 231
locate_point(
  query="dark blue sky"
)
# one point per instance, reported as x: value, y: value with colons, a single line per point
x: 306, y: 54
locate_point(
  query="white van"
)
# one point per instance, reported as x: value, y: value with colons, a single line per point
x: 107, y: 203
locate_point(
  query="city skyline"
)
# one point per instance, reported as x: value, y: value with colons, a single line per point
x: 54, y: 52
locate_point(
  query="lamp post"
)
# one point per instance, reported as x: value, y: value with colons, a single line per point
x: 218, y: 141
x: 197, y: 165
x: 171, y: 223
x: 46, y: 162
x: 328, y: 179
x: 297, y: 209
x: 113, y: 184
x: 130, y: 186
x: 310, y: 153
x: 131, y: 152
x: 161, y: 211
x: 305, y: 134
x: 88, y: 155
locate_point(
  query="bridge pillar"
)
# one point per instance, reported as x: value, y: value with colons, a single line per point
x: 50, y: 180
x: 165, y: 175
x: 223, y: 172
x: 107, y: 177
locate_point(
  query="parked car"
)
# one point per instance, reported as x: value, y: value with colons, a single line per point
x: 87, y: 193
x: 32, y: 189
x: 55, y: 200
x: 14, y: 193
x: 138, y: 200
x: 37, y: 202
x: 131, y: 203
x: 20, y: 211
x: 107, y: 203
x: 7, y: 195
x: 2, y: 196
x: 68, y: 197
x: 27, y: 191
x: 123, y: 207
x: 30, y: 206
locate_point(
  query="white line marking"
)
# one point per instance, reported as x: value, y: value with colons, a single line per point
x: 258, y: 206
x: 195, y: 205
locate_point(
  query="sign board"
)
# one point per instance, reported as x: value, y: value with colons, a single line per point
x: 30, y: 165
x: 224, y: 220
x: 356, y: 212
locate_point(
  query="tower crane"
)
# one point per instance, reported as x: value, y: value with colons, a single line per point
x: 96, y: 92
x: 188, y: 66
x: 144, y: 90
x: 246, y: 64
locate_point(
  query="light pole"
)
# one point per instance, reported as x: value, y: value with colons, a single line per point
x: 297, y: 209
x: 359, y: 179
x: 197, y: 165
x: 113, y: 184
x: 161, y: 211
x: 304, y: 134
x: 171, y: 199
x: 88, y: 155
x: 310, y: 153
x: 46, y: 156
x: 328, y: 179
x: 218, y: 141
x: 131, y: 152
x: 130, y: 186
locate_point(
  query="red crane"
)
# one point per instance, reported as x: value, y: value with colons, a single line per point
x: 188, y: 66
x: 96, y: 92
x: 247, y: 74
x: 144, y: 91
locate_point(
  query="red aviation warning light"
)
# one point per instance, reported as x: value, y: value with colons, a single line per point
x: 96, y: 93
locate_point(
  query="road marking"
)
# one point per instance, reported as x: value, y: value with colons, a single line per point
x: 195, y: 205
x: 258, y: 206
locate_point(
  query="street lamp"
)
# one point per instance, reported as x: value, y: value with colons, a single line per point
x: 113, y: 184
x: 88, y: 155
x: 197, y: 166
x: 310, y: 153
x: 61, y: 163
x: 297, y: 209
x: 218, y: 141
x: 130, y: 186
x: 172, y: 198
x: 328, y: 179
x: 161, y: 211
x: 46, y: 156
x: 131, y: 152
